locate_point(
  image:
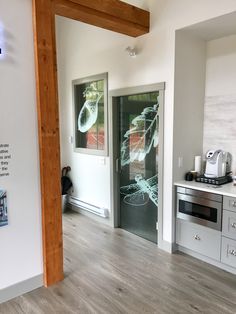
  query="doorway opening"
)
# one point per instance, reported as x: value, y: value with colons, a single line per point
x: 137, y: 149
x: 83, y: 115
x: 113, y: 15
x: 82, y: 94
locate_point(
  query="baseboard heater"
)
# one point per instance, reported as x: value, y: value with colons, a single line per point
x: 100, y: 211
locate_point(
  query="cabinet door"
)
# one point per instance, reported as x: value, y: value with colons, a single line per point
x: 200, y: 239
x: 229, y: 224
x: 228, y: 252
x: 229, y: 203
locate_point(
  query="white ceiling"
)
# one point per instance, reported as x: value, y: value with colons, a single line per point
x: 142, y: 4
x: 221, y: 26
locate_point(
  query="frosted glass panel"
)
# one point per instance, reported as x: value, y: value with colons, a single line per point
x: 139, y: 140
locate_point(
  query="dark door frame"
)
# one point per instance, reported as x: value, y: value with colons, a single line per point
x: 109, y: 14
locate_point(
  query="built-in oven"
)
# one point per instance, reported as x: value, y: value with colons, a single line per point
x: 200, y: 207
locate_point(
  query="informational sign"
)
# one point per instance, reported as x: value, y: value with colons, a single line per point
x: 3, y: 208
x: 5, y: 158
x: 2, y: 41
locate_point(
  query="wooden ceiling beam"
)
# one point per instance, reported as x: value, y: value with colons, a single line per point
x: 113, y: 15
x: 118, y: 8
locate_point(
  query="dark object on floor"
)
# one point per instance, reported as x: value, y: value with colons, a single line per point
x: 66, y: 183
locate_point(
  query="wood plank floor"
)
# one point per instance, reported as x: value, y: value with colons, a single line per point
x: 112, y: 271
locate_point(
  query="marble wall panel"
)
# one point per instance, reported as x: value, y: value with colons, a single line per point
x: 220, y: 125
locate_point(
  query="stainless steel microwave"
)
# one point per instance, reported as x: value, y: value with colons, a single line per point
x: 200, y: 207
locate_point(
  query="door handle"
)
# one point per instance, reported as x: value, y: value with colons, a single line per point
x: 232, y: 252
x: 118, y: 168
x: 233, y: 225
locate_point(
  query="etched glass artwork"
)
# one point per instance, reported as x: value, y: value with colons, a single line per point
x: 89, y: 112
x: 141, y: 137
x: 140, y: 192
x: 139, y: 157
x: 89, y: 101
x: 3, y: 208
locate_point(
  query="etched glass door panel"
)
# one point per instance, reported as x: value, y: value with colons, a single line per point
x: 139, y: 140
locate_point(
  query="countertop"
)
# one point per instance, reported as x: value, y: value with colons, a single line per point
x: 225, y: 189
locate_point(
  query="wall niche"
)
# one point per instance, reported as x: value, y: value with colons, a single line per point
x: 205, y: 96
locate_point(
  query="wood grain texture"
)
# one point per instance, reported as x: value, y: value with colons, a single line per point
x: 110, y: 271
x: 48, y: 123
x: 118, y: 9
x: 110, y: 14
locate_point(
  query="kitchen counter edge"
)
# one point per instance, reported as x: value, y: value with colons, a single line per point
x: 226, y: 189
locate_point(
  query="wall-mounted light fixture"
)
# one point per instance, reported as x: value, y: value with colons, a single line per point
x: 131, y: 51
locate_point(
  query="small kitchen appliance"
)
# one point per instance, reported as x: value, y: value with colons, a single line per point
x: 200, y: 207
x: 217, y: 164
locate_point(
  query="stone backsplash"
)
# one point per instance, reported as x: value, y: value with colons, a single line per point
x: 220, y: 125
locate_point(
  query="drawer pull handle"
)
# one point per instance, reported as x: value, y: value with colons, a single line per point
x: 234, y: 203
x: 197, y: 237
x: 233, y: 225
x: 232, y: 252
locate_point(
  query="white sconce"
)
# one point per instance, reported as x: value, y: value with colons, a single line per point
x: 131, y: 52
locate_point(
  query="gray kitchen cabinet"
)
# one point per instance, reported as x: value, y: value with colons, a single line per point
x: 228, y: 247
x: 229, y: 224
x: 229, y: 203
x: 216, y: 246
x: 198, y: 238
x: 228, y: 252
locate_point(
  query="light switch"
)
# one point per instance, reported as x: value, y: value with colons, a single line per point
x: 180, y: 162
x: 71, y: 139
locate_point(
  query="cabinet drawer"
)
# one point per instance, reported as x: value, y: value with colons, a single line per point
x: 229, y: 224
x: 229, y: 203
x: 197, y: 238
x: 228, y: 252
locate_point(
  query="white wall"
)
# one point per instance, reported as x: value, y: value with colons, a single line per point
x: 21, y: 256
x: 190, y: 57
x: 220, y: 102
x: 88, y: 51
x: 221, y: 66
x: 20, y: 241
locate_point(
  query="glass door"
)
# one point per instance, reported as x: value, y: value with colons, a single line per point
x: 139, y: 158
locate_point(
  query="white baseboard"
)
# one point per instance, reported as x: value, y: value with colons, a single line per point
x: 21, y: 288
x: 207, y: 259
x: 167, y: 246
